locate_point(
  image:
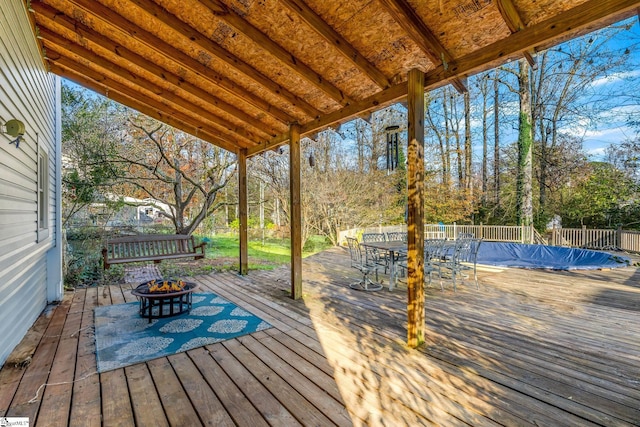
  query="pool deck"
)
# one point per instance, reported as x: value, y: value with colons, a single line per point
x: 531, y: 347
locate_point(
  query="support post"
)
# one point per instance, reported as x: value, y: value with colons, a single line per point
x: 242, y: 211
x: 532, y: 234
x: 296, y: 211
x: 415, y: 209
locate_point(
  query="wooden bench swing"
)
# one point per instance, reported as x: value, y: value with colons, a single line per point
x: 150, y: 247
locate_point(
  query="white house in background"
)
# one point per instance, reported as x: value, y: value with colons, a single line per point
x: 30, y: 196
x: 154, y: 209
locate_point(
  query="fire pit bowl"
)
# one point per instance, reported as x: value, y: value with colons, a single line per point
x: 164, y: 298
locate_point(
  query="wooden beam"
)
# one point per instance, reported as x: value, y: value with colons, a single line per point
x: 415, y: 209
x: 273, y: 143
x: 356, y: 109
x: 232, y: 132
x: 460, y: 85
x: 223, y: 55
x: 112, y: 89
x: 592, y: 14
x: 586, y: 17
x: 337, y: 41
x: 243, y: 212
x: 263, y: 41
x: 296, y: 211
x: 130, y: 30
x: 85, y: 34
x: 403, y: 14
x: 177, y: 121
x: 515, y: 23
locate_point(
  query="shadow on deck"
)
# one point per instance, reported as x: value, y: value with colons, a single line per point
x: 528, y: 348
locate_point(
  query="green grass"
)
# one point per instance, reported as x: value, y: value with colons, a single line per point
x: 85, y: 267
x: 269, y: 251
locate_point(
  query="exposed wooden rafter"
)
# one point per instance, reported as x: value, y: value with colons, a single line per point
x: 274, y: 49
x: 216, y: 50
x: 514, y: 22
x: 57, y: 44
x: 337, y: 41
x: 85, y: 34
x: 151, y: 109
x: 144, y: 94
x: 589, y: 15
x: 117, y: 22
x: 404, y: 15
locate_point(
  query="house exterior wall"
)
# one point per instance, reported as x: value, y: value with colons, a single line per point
x: 30, y: 266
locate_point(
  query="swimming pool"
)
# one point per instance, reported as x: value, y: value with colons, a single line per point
x: 504, y: 254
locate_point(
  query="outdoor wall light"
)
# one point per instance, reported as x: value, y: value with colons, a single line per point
x: 15, y: 128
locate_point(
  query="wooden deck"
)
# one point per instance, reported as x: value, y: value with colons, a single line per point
x: 529, y: 348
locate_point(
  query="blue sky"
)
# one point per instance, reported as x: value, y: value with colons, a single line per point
x: 611, y: 126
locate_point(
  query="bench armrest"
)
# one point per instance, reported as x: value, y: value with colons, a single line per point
x: 201, y: 246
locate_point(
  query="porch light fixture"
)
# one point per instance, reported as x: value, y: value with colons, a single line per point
x: 14, y: 128
x: 393, y: 154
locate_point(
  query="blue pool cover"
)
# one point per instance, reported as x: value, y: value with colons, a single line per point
x: 550, y: 257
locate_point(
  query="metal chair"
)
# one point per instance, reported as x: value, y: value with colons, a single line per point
x: 358, y: 262
x: 373, y: 255
x: 434, y: 256
x: 470, y: 260
x: 464, y: 253
x: 397, y: 236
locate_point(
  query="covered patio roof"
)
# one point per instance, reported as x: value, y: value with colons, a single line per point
x: 238, y: 73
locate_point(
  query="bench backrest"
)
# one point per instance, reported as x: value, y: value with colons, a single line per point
x: 149, y: 245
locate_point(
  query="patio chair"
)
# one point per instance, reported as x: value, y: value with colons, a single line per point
x: 373, y: 255
x: 470, y: 261
x: 463, y: 258
x: 434, y: 256
x: 358, y: 262
x: 397, y: 236
x: 433, y: 253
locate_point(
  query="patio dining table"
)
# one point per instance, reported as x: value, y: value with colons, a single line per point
x: 394, y: 249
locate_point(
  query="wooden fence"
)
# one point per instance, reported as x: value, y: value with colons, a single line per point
x: 496, y: 233
x: 591, y: 238
x: 603, y: 239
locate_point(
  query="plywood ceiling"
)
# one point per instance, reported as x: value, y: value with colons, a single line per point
x: 237, y: 73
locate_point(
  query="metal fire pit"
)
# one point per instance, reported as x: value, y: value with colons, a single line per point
x: 161, y: 304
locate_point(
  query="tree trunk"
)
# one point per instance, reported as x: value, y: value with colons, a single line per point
x: 484, y: 141
x: 496, y: 136
x: 446, y: 158
x: 467, y: 142
x: 524, y: 193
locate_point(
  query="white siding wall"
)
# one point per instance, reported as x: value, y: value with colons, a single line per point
x: 27, y: 93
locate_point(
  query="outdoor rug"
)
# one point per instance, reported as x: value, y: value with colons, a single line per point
x: 124, y: 338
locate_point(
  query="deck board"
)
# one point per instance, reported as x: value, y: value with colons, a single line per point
x: 530, y: 347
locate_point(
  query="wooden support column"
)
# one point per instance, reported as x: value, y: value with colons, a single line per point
x: 242, y: 211
x: 296, y: 211
x: 415, y: 209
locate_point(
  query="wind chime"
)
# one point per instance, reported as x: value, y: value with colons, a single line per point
x: 393, y: 154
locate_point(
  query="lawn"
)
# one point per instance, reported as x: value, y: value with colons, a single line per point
x: 223, y: 254
x: 269, y: 250
x: 85, y: 261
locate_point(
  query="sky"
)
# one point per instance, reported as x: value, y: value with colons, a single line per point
x: 611, y: 126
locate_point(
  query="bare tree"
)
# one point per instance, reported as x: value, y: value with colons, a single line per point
x: 172, y: 167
